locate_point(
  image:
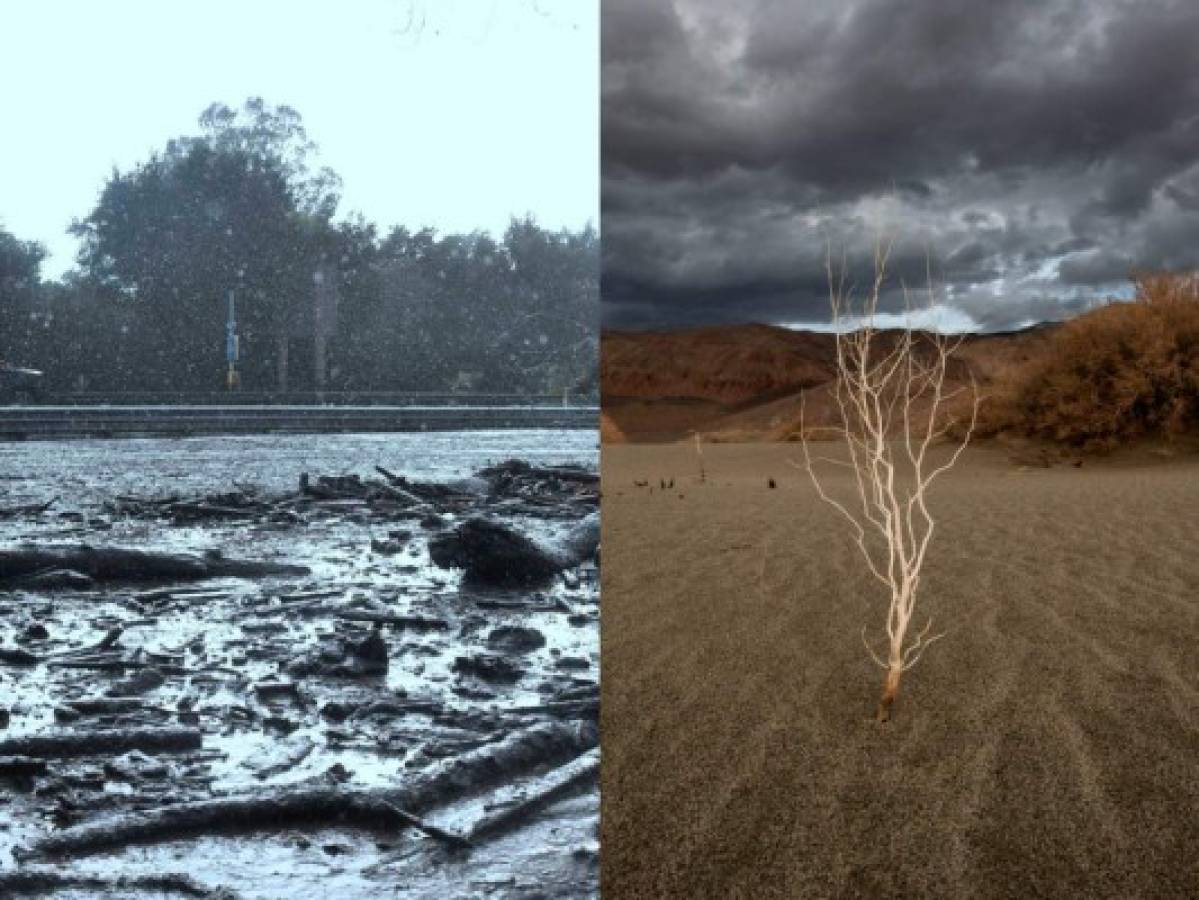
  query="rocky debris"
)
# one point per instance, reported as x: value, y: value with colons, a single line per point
x: 485, y: 667
x: 389, y: 547
x: 337, y: 711
x: 221, y: 651
x: 495, y: 553
x: 136, y: 766
x: 583, y: 539
x: 141, y: 682
x: 518, y: 478
x: 371, y: 652
x: 284, y: 757
x: 355, y: 658
x: 34, y: 633
x: 515, y: 639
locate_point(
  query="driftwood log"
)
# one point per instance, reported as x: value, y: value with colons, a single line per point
x: 537, y: 796
x: 520, y: 752
x: 518, y: 467
x: 39, y: 881
x: 121, y: 564
x: 68, y: 744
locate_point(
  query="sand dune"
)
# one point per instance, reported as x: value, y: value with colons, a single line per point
x: 1048, y: 746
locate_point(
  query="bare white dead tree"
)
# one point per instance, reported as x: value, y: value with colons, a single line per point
x: 883, y: 380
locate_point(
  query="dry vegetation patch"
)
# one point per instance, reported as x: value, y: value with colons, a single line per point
x: 1122, y: 373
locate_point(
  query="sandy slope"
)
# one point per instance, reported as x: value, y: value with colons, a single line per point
x: 1047, y: 747
x: 743, y: 382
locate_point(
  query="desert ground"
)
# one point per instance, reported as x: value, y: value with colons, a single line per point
x: 1047, y: 746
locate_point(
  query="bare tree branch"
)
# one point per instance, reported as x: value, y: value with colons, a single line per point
x: 876, y: 392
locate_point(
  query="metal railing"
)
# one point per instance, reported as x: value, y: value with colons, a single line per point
x: 185, y: 419
x: 313, y: 398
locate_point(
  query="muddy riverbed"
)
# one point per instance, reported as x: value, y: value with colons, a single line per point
x: 374, y: 670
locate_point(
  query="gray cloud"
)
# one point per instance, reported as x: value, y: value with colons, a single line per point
x: 1037, y: 150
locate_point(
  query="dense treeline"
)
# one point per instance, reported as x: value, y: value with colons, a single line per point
x: 238, y: 208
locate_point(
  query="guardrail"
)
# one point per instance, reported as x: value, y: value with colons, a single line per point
x: 314, y: 398
x: 52, y: 422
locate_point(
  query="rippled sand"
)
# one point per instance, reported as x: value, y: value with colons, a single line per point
x: 1047, y: 746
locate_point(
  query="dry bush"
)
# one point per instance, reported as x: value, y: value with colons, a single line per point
x: 1117, y: 374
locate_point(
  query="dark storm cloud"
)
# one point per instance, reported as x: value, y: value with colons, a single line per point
x: 1037, y: 150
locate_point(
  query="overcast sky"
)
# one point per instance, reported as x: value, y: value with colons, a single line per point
x: 1038, y: 150
x: 455, y: 114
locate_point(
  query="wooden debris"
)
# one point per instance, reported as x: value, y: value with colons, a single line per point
x: 68, y: 744
x: 520, y: 752
x: 121, y: 564
x: 537, y: 796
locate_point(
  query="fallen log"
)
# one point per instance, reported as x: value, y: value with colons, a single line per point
x: 69, y: 744
x: 519, y: 752
x: 288, y: 758
x: 537, y: 796
x: 18, y: 656
x: 53, y: 580
x: 413, y: 623
x: 121, y: 564
x: 513, y: 467
x: 564, y: 708
x: 111, y: 662
x: 416, y: 492
x: 32, y: 509
x: 21, y: 766
x: 37, y: 882
x: 105, y: 643
x: 105, y: 706
x: 451, y: 840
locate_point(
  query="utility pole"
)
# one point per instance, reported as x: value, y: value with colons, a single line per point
x: 231, y: 346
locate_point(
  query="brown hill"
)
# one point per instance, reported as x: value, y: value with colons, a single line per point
x: 746, y: 381
x: 725, y: 364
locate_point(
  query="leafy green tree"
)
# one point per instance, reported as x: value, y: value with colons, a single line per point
x: 20, y: 267
x: 233, y: 209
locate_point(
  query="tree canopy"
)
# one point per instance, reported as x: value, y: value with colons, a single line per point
x: 242, y: 206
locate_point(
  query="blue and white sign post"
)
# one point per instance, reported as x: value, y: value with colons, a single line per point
x: 231, y: 348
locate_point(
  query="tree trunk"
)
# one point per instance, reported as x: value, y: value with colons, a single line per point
x: 890, y: 691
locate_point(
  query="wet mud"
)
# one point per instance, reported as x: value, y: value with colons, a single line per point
x: 350, y: 667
